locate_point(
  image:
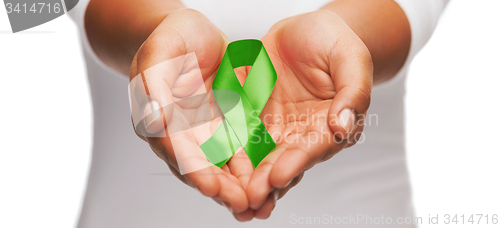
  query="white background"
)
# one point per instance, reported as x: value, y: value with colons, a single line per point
x: 452, y: 119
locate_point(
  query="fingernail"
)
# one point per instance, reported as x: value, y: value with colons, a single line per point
x: 154, y: 115
x: 289, y: 182
x: 228, y: 206
x: 276, y: 195
x: 346, y: 120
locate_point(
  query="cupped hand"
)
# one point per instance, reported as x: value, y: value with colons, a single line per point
x: 318, y: 105
x: 172, y: 109
x: 323, y: 91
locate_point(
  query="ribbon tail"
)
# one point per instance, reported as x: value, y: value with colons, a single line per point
x: 221, y: 146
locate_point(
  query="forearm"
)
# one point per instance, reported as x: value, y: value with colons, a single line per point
x: 383, y: 27
x: 117, y: 28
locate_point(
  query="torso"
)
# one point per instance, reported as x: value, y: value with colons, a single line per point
x: 129, y: 186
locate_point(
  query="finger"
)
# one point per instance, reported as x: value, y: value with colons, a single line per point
x: 205, y: 181
x: 294, y: 182
x: 186, y: 157
x: 302, y: 154
x: 211, y: 181
x: 259, y: 185
x: 352, y: 73
x: 244, y: 216
x: 265, y: 210
x: 230, y: 192
x: 241, y: 167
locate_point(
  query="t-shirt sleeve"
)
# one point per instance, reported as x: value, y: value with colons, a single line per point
x: 77, y: 14
x: 423, y: 16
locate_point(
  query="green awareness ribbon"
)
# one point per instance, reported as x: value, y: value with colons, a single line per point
x: 242, y: 105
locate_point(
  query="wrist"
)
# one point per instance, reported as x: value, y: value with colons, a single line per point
x: 116, y: 29
x: 384, y: 29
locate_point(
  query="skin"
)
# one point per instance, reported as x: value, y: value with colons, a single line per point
x: 326, y: 61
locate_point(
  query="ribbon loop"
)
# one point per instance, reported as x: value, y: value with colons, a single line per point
x: 242, y: 125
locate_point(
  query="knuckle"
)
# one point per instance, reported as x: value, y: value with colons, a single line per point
x: 364, y: 94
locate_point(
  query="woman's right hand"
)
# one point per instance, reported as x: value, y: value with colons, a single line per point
x: 171, y: 78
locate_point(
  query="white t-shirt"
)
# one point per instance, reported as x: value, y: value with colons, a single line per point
x: 129, y: 186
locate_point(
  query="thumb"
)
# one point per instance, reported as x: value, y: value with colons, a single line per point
x: 156, y: 72
x: 353, y: 79
x: 151, y: 103
x: 168, y: 57
x: 158, y: 80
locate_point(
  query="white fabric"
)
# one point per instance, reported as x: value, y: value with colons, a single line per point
x: 128, y: 186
